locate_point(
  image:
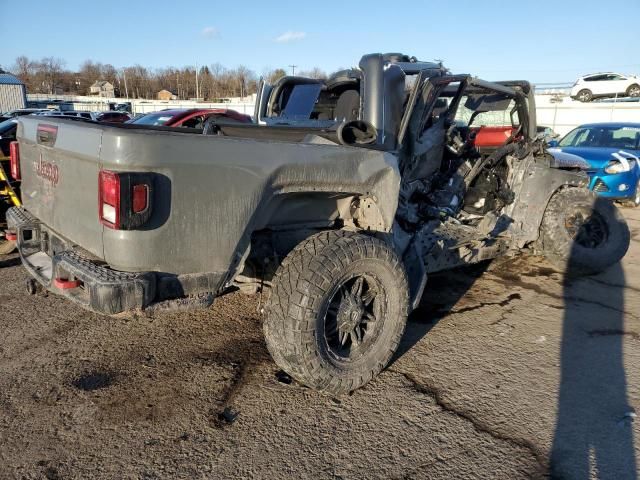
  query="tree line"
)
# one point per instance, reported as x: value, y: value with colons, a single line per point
x: 49, y: 75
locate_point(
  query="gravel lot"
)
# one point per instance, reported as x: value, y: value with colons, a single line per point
x: 507, y: 371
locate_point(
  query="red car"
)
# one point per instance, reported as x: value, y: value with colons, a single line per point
x: 189, y: 118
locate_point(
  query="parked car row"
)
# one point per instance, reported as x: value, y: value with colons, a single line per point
x: 184, y: 118
x: 110, y: 116
x: 19, y: 112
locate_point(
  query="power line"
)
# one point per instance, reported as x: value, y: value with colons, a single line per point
x: 293, y: 69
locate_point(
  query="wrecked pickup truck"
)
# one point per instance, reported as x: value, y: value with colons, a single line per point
x: 338, y: 202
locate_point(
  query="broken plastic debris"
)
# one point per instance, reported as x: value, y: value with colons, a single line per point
x: 228, y: 415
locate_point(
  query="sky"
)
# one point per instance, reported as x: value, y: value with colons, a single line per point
x: 540, y: 41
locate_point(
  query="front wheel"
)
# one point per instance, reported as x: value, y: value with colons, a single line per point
x: 337, y: 310
x: 585, y: 95
x: 581, y: 233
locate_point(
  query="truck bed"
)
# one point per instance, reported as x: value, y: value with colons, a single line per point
x: 210, y: 191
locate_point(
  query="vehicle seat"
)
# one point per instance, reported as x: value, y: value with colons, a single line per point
x: 211, y: 126
x: 347, y: 106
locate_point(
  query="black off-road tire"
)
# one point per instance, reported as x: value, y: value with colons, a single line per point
x: 297, y: 311
x: 585, y: 95
x: 569, y: 253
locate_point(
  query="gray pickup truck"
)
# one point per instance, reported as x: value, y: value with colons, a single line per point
x: 337, y: 203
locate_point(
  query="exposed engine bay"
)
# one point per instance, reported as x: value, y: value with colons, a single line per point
x: 466, y: 186
x: 451, y: 177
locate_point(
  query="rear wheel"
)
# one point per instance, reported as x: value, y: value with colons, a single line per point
x: 581, y: 233
x: 337, y: 310
x: 585, y: 95
x: 633, y: 91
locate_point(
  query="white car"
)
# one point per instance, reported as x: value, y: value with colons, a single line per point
x: 605, y: 85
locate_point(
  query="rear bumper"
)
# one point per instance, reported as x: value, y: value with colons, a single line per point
x: 99, y: 288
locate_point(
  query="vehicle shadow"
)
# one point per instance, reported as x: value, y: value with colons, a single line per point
x: 593, y: 434
x: 443, y: 292
x: 9, y: 261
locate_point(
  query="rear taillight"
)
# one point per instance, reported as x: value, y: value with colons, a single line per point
x: 14, y: 160
x: 109, y: 198
x: 124, y: 199
x: 140, y: 198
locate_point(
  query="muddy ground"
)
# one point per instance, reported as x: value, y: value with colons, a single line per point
x: 505, y: 370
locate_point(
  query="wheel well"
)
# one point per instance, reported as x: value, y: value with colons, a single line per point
x: 291, y: 218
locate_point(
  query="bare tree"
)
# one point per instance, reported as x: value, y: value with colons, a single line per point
x: 24, y: 69
x: 272, y: 76
x: 49, y: 76
x: 315, y: 72
x: 50, y: 69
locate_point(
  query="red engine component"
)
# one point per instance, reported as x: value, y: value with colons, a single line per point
x: 492, y: 136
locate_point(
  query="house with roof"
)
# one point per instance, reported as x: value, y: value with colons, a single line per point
x: 166, y: 95
x: 102, y: 88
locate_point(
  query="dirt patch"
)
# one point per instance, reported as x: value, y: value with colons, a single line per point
x: 196, y: 395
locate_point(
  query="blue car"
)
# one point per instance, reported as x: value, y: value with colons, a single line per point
x: 610, y: 154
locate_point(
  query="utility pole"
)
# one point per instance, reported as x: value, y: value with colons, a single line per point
x: 126, y: 90
x: 197, y: 84
x: 293, y: 69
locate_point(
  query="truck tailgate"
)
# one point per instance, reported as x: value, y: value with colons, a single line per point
x: 59, y: 162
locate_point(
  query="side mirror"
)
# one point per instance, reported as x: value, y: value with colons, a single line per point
x: 553, y: 143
